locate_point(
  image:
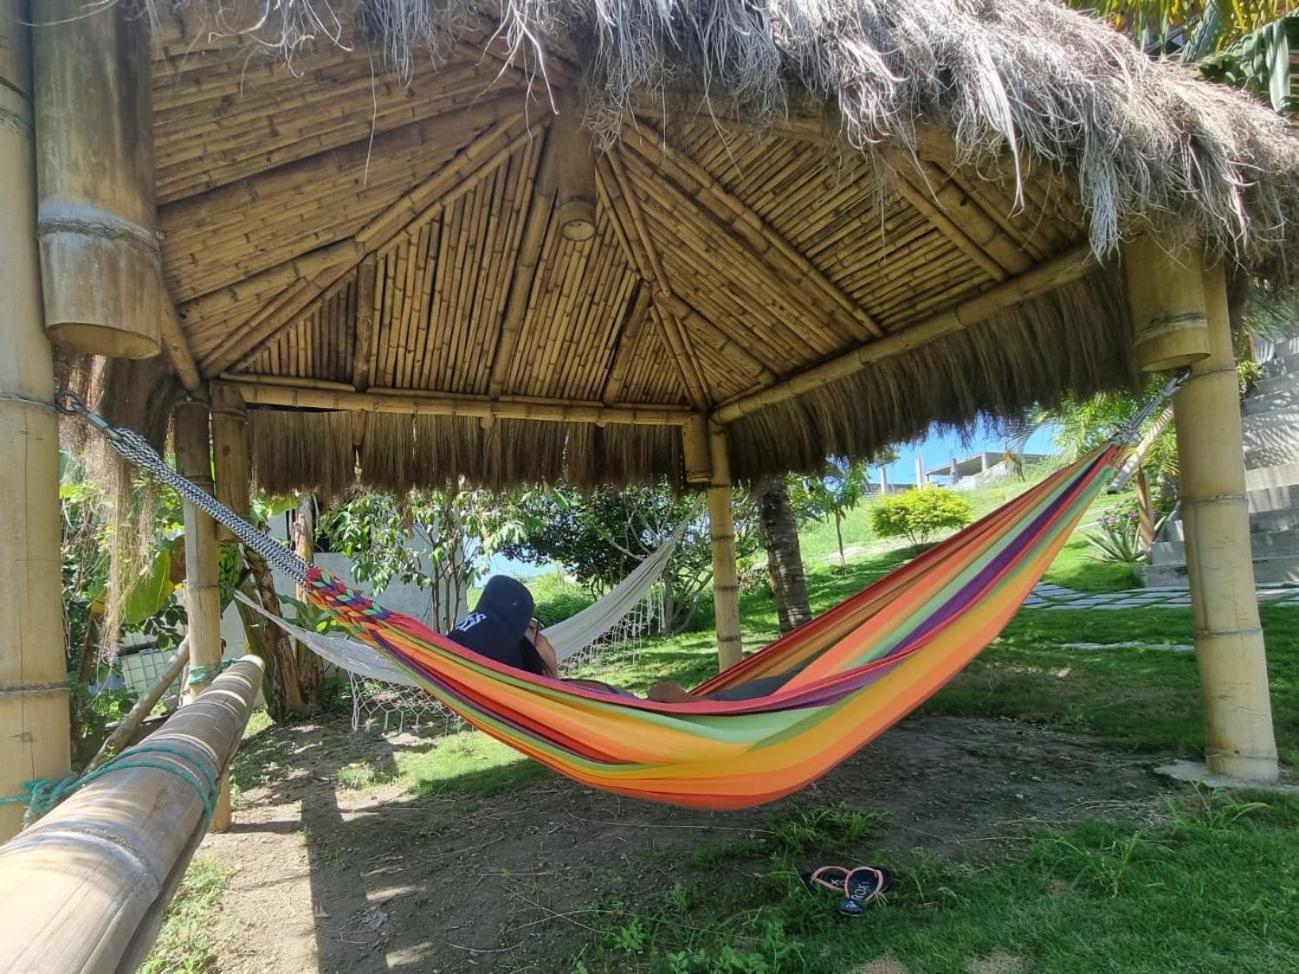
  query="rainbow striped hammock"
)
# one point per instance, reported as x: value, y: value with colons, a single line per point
x: 866, y: 664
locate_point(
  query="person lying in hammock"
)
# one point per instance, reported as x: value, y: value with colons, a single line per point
x: 502, y: 627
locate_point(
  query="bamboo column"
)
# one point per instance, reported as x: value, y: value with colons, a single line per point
x: 34, y: 724
x: 233, y: 471
x: 84, y: 890
x: 1239, y: 741
x: 726, y: 584
x: 97, y: 222
x: 574, y: 168
x: 202, y: 567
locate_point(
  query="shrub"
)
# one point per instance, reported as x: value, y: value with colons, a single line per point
x: 917, y: 514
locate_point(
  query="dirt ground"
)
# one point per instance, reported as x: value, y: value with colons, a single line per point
x: 371, y: 880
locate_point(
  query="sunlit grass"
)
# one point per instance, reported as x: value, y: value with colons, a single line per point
x: 191, y: 935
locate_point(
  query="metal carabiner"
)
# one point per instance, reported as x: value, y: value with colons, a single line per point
x: 69, y: 403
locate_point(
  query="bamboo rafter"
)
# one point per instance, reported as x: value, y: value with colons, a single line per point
x: 473, y: 164
x: 524, y: 276
x: 629, y: 335
x: 629, y: 226
x: 752, y: 233
x: 1045, y: 277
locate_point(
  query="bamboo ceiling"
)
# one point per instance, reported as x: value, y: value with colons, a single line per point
x: 328, y: 227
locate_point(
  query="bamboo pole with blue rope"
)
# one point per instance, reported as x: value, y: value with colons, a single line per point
x: 34, y: 719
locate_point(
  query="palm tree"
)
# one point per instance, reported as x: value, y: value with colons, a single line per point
x: 784, y: 557
x: 1249, y: 44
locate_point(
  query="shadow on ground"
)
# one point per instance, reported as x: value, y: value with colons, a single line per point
x: 377, y: 879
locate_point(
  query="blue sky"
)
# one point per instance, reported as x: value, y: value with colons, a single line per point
x: 937, y: 449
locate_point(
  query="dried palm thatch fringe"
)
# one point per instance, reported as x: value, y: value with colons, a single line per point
x: 138, y: 394
x: 1027, y: 79
x: 293, y: 450
x: 1075, y: 338
x: 401, y: 452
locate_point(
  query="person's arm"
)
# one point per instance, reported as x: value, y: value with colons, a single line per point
x: 547, y: 653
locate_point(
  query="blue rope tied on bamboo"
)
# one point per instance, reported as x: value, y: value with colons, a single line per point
x: 201, y: 675
x: 41, y: 794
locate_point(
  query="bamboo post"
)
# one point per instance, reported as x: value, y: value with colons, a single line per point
x: 1145, y: 511
x: 230, y: 445
x: 34, y: 721
x: 574, y: 168
x: 202, y: 567
x: 1167, y: 300
x: 310, y: 670
x: 1239, y: 741
x: 696, y: 450
x: 726, y: 584
x: 101, y: 263
x: 84, y: 890
x: 143, y: 707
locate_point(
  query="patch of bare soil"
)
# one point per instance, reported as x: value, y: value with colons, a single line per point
x: 374, y: 880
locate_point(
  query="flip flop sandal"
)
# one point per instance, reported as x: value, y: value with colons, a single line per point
x: 827, y: 879
x: 861, y: 887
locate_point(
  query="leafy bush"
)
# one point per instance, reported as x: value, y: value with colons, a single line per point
x: 1119, y: 539
x: 917, y: 514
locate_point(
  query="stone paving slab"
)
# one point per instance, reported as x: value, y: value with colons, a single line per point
x: 1049, y: 596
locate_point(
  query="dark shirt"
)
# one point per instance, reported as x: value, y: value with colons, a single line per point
x: 488, y: 636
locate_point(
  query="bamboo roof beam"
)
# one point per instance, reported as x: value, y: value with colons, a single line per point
x: 714, y: 337
x: 470, y: 167
x: 309, y: 394
x: 1070, y: 266
x: 735, y: 218
x: 177, y: 346
x: 632, y: 327
x: 363, y: 327
x: 525, y: 278
x: 629, y: 226
x: 962, y: 220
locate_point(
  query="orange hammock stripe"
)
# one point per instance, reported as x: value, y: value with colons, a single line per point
x: 865, y: 664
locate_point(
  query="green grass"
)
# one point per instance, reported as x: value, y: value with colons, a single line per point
x: 1183, y: 894
x: 1139, y: 698
x: 466, y: 763
x: 191, y: 933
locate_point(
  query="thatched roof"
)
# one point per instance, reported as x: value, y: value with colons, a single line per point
x: 362, y: 202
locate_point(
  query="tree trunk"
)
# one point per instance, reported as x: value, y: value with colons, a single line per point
x: 281, y: 687
x: 311, y: 674
x: 784, y: 559
x: 838, y: 533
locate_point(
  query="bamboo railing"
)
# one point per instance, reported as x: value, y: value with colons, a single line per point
x: 85, y: 889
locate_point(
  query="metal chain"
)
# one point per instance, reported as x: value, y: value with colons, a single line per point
x: 136, y: 449
x: 1132, y: 428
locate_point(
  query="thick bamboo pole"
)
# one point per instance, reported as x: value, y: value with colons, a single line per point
x: 83, y: 891
x: 34, y: 724
x: 97, y: 225
x: 1167, y: 300
x: 1239, y: 741
x: 726, y: 582
x: 266, y: 393
x: 202, y: 567
x: 574, y: 168
x: 233, y: 469
x: 1045, y: 277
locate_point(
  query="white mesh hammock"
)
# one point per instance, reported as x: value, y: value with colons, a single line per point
x: 569, y: 637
